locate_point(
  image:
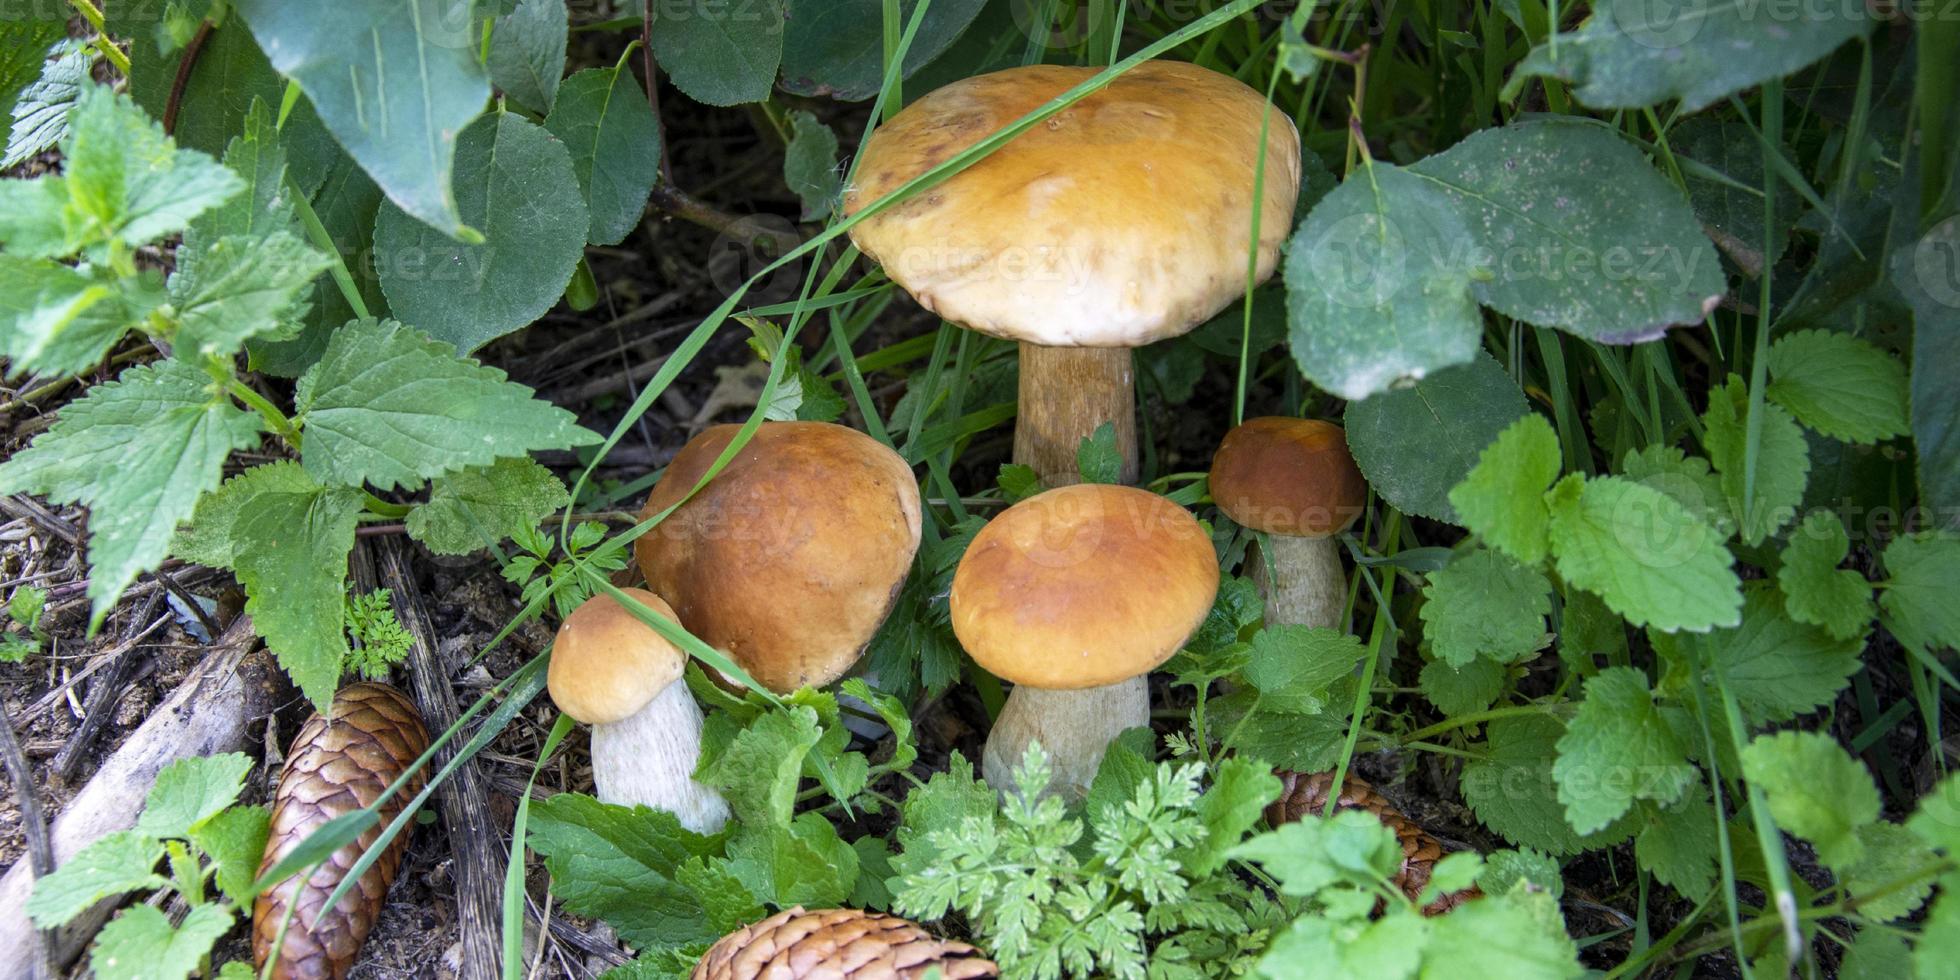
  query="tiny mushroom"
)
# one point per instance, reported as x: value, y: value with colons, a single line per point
x: 793, y: 555
x: 1293, y: 480
x: 612, y: 671
x: 838, y: 944
x: 1122, y: 220
x: 1075, y: 595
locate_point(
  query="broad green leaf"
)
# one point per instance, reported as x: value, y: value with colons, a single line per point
x: 1679, y: 846
x: 1508, y: 869
x: 1937, y: 819
x: 618, y: 864
x: 346, y: 204
x: 26, y: 38
x: 141, y: 944
x: 1918, y: 593
x: 720, y: 54
x: 1815, y: 589
x: 235, y: 841
x: 1838, y: 384
x: 1316, y: 947
x: 1892, y: 853
x: 1461, y: 690
x: 527, y: 53
x: 1515, y: 936
x: 1722, y: 161
x: 390, y: 406
x: 794, y: 862
x: 1929, y: 275
x: 125, y: 178
x: 1688, y: 480
x: 191, y: 791
x: 40, y: 115
x: 1816, y: 791
x: 1415, y: 443
x: 1512, y: 790
x: 1306, y: 856
x: 207, y: 538
x: 515, y: 184
x: 1483, y: 604
x: 1646, y: 557
x: 604, y: 120
x: 259, y: 159
x: 1098, y: 459
x: 293, y: 564
x: 1937, y: 956
x: 123, y: 861
x: 1286, y: 739
x: 810, y: 165
x: 395, y: 82
x: 240, y: 286
x: 1549, y: 248
x: 1237, y: 798
x: 1292, y: 666
x: 137, y: 451
x: 1776, y: 667
x: 1502, y: 498
x: 1617, y: 750
x: 1636, y: 53
x: 1378, y: 285
x: 837, y: 48
x: 760, y: 771
x: 56, y: 319
x: 470, y: 510
x: 1878, y: 954
x: 722, y: 895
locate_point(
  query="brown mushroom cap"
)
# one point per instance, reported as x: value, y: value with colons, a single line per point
x: 606, y: 664
x: 1130, y: 211
x: 1083, y: 586
x: 1288, y: 476
x: 791, y: 557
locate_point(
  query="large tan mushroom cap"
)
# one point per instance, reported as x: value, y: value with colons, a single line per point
x: 1083, y: 586
x: 1288, y: 476
x: 606, y: 664
x: 790, y: 558
x: 1120, y: 221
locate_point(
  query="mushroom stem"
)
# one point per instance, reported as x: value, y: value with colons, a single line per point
x: 1073, y: 727
x: 1066, y: 394
x: 648, y: 760
x: 1303, y: 583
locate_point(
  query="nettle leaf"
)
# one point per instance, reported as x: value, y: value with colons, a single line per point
x: 614, y: 140
x: 40, y: 115
x: 944, y: 804
x: 394, y: 82
x: 477, y: 507
x: 1633, y: 53
x: 1688, y: 480
x: 125, y: 178
x: 1929, y: 275
x: 1892, y: 853
x: 1292, y: 666
x: 1776, y: 667
x: 141, y: 944
x: 618, y: 864
x: 1461, y: 690
x: 1815, y: 789
x: 191, y: 791
x: 208, y: 538
x: 25, y: 42
x: 760, y: 770
x: 1815, y: 589
x: 1517, y: 935
x: 810, y: 165
x: 837, y: 47
x: 57, y: 319
x: 1286, y: 739
x: 1415, y: 443
x: 516, y: 185
x: 137, y: 451
x: 1918, y: 595
x: 123, y: 861
x: 293, y: 565
x: 1502, y: 498
x: 238, y: 287
x: 1840, y: 385
x: 1510, y: 786
x: 390, y: 406
x: 725, y: 55
x: 799, y: 862
x: 527, y: 53
x: 259, y: 159
x: 1240, y: 790
x: 1618, y: 749
x: 1782, y: 461
x: 1679, y: 845
x: 1484, y: 604
x: 1318, y: 947
x: 346, y: 204
x: 1643, y: 554
x: 235, y: 840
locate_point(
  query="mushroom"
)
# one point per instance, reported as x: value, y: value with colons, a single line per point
x: 838, y: 944
x: 1075, y: 595
x: 1293, y: 480
x: 1121, y: 220
x: 612, y: 671
x: 791, y: 557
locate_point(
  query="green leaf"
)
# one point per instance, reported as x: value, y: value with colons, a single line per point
x: 606, y: 124
x: 527, y: 53
x: 1018, y: 481
x: 1240, y: 790
x: 1321, y: 948
x: 25, y: 39
x: 800, y: 863
x: 1502, y: 497
x: 1815, y: 589
x: 1506, y: 870
x: 1929, y: 275
x: 1307, y: 856
x: 1378, y: 285
x: 394, y: 82
x: 1288, y: 740
x: 1937, y: 955
x: 1876, y: 954
x: 1484, y: 604
x: 1548, y: 248
x: 722, y: 895
x: 720, y: 55
x: 477, y: 507
x: 208, y: 539
x: 1816, y: 791
x: 1776, y: 667
x: 125, y: 178
x: 238, y: 287
x: 1688, y: 480
x: 259, y: 159
x: 388, y: 405
x: 235, y: 840
x: 1646, y: 557
x: 137, y: 451
x: 1098, y: 459
x: 1782, y: 461
x: 1415, y: 443
x: 1510, y: 787
x: 1292, y: 666
x: 1633, y: 53
x: 191, y: 791
x: 1838, y: 384
x: 293, y: 565
x: 619, y: 864
x: 1617, y: 749
x: 1462, y: 690
x: 1679, y: 846
x: 810, y: 165
x: 516, y: 185
x: 836, y: 47
x: 1892, y: 853
x: 123, y: 861
x: 944, y: 804
x: 760, y: 770
x: 345, y: 204
x: 140, y: 944
x: 1937, y: 820
x: 56, y: 319
x: 40, y: 115
x: 1918, y: 595
x: 1518, y: 937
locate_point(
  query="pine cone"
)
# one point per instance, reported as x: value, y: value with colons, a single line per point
x: 340, y: 762
x: 838, y: 944
x: 1302, y: 794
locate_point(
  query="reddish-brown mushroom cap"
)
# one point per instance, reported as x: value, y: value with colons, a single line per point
x: 1288, y: 476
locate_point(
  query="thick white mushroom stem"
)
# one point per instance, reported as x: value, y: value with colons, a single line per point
x: 1303, y: 583
x: 1073, y: 727
x: 648, y: 760
x: 1066, y: 394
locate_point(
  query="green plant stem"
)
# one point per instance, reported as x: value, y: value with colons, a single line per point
x: 1818, y: 913
x: 1477, y: 717
x: 376, y: 505
x: 93, y: 14
x: 1775, y: 861
x: 1364, y: 692
x: 280, y: 423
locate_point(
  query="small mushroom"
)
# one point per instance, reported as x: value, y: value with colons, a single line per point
x: 792, y: 556
x: 838, y: 944
x: 1075, y: 595
x: 619, y: 675
x: 341, y: 762
x: 1293, y: 480
x: 1304, y: 796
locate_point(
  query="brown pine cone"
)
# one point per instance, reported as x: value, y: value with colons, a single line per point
x: 838, y: 944
x: 340, y: 762
x: 1303, y: 793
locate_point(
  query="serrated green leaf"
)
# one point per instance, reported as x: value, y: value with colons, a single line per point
x: 618, y: 864
x: 234, y: 288
x: 25, y: 40
x: 1815, y: 589
x: 124, y: 178
x: 1320, y: 948
x: 1018, y: 481
x: 480, y: 506
x: 1937, y: 818
x: 1918, y: 593
x: 1616, y: 750
x: 1286, y: 739
x: 1462, y: 690
x: 1892, y: 854
x: 56, y: 319
x: 1815, y: 790
x: 1502, y: 497
x: 235, y: 841
x: 265, y: 206
x: 810, y: 165
x: 614, y: 141
x: 1876, y: 954
x: 138, y: 451
x: 1510, y: 787
x: 1097, y: 458
x: 293, y: 565
x: 40, y: 115
x: 722, y: 895
x: 1519, y: 937
x: 1415, y: 443
x: 388, y: 405
x: 760, y: 770
x: 1236, y: 800
x: 1507, y: 869
x: 1782, y: 461
x: 944, y: 804
x: 1649, y: 559
x: 1484, y: 604
x: 798, y: 862
x: 1292, y: 666
x: 1937, y: 956
x: 190, y: 791
x: 1679, y: 846
x: 1838, y: 384
x: 1686, y: 479
x: 141, y: 944
x: 123, y: 861
x: 1306, y: 856
x: 207, y: 539
x: 721, y: 56
x: 527, y: 53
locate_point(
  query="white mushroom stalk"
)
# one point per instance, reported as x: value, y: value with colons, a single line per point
x: 648, y: 759
x: 1073, y: 727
